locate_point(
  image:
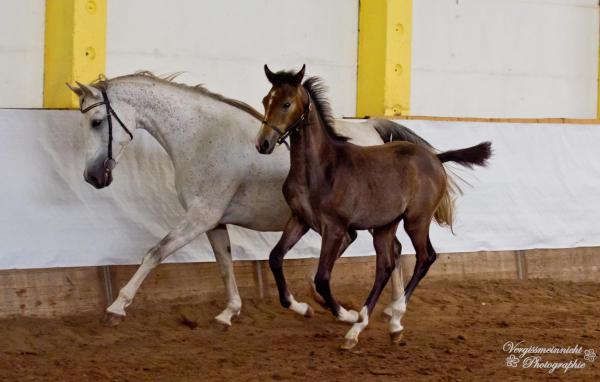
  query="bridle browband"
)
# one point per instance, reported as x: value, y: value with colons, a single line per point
x: 292, y: 128
x: 109, y: 162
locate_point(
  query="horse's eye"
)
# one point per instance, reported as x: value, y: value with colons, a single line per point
x: 96, y: 122
x: 286, y: 105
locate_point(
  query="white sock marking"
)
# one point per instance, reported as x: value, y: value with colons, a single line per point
x: 358, y: 327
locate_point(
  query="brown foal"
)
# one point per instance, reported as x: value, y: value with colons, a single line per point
x: 335, y: 188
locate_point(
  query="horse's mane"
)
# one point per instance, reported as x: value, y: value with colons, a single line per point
x: 317, y: 89
x: 102, y: 84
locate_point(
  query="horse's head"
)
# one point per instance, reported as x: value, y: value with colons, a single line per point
x: 284, y: 106
x: 107, y: 124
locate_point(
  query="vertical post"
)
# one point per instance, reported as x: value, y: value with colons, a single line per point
x: 75, y: 47
x: 384, y: 57
x: 521, y: 265
x: 260, y: 284
x: 107, y: 281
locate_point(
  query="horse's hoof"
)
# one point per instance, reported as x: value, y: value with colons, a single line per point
x: 396, y: 337
x: 111, y: 320
x: 348, y: 344
x: 309, y: 312
x: 224, y: 326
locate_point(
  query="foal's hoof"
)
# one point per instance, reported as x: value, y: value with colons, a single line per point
x: 348, y: 344
x: 309, y: 312
x: 396, y: 337
x: 111, y: 320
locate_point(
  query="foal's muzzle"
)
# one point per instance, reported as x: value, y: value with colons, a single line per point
x: 265, y: 143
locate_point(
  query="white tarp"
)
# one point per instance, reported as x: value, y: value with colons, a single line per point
x: 542, y: 190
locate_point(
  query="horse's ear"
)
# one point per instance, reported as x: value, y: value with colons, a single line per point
x: 89, y: 90
x: 270, y: 75
x: 76, y: 90
x: 299, y: 76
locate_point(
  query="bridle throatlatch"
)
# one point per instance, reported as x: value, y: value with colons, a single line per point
x: 296, y: 126
x: 109, y: 163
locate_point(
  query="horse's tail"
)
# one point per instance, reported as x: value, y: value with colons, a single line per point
x: 391, y: 131
x: 472, y: 156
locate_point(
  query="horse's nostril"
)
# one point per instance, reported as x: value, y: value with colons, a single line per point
x: 264, y: 146
x: 93, y: 180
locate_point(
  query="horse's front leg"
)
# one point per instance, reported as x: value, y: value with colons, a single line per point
x: 219, y: 240
x: 197, y: 220
x: 293, y: 231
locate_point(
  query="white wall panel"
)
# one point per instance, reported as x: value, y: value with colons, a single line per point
x: 225, y: 43
x: 505, y: 58
x: 21, y: 53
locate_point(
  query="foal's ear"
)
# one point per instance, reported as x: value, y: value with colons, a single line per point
x: 299, y: 76
x: 270, y: 75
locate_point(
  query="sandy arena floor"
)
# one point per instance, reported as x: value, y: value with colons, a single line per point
x: 454, y: 330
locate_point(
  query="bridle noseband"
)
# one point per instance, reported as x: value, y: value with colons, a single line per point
x: 292, y: 128
x: 109, y: 163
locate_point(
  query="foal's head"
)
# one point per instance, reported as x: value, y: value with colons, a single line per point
x: 98, y: 166
x: 284, y: 105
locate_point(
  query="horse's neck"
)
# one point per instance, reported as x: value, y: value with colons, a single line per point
x: 175, y: 117
x: 312, y: 150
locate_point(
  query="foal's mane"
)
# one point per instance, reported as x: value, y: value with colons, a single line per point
x: 102, y: 84
x: 316, y: 89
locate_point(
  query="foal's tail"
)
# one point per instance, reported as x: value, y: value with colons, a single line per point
x: 472, y: 156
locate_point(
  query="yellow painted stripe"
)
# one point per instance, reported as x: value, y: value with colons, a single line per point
x: 75, y: 47
x: 384, y: 57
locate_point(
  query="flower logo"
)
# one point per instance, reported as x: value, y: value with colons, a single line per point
x: 589, y: 355
x: 512, y: 361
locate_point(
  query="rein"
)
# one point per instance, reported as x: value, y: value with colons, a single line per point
x: 109, y: 162
x: 292, y: 128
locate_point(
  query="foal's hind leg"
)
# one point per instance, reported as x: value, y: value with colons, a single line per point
x: 383, y: 238
x: 219, y: 240
x: 396, y: 279
x: 344, y: 315
x: 398, y: 306
x: 418, y: 231
x: 293, y: 231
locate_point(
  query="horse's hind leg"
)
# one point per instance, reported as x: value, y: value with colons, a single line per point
x: 293, y: 231
x: 194, y: 223
x: 219, y: 240
x: 384, y: 240
x: 344, y: 315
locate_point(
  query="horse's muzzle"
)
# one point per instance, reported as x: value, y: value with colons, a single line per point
x: 98, y: 178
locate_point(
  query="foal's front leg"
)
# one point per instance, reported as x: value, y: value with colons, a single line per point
x: 344, y: 315
x: 293, y: 231
x: 334, y: 240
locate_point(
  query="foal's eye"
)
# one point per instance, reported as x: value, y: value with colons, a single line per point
x: 96, y: 122
x: 286, y: 105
